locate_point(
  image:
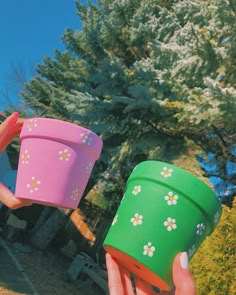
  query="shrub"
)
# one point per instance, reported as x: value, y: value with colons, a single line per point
x: 213, y: 266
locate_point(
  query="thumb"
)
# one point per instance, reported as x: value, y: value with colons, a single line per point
x: 9, y: 200
x: 183, y: 280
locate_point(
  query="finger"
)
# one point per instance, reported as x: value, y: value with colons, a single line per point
x: 182, y: 276
x: 9, y: 200
x: 143, y: 288
x: 20, y: 123
x: 126, y: 281
x: 114, y: 276
x: 10, y: 121
x: 13, y: 132
x: 11, y: 124
x: 9, y: 129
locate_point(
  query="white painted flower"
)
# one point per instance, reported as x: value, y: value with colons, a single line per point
x: 106, y: 175
x: 33, y: 186
x: 200, y: 229
x: 114, y: 220
x: 25, y: 157
x: 191, y: 251
x: 171, y: 198
x: 32, y: 124
x: 64, y: 155
x: 89, y: 167
x: 75, y: 194
x: 86, y: 138
x: 166, y: 172
x: 136, y: 190
x: 137, y: 219
x: 170, y: 224
x: 216, y: 217
x: 149, y: 249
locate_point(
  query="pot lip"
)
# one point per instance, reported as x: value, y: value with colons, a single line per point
x: 49, y: 128
x: 203, y: 196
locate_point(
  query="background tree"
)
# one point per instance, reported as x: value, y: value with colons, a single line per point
x: 147, y: 76
x: 15, y: 80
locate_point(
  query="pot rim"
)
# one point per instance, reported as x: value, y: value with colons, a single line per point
x: 48, y: 128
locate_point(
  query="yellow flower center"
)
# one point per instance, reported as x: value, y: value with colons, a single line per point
x: 34, y: 184
x: 74, y: 195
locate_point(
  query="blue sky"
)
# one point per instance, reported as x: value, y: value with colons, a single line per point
x: 29, y: 30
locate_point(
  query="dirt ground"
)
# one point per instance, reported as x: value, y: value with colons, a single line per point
x: 47, y: 271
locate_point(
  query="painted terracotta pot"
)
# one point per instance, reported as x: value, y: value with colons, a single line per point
x: 165, y: 210
x: 55, y: 163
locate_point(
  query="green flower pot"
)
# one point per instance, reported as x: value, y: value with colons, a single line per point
x: 165, y: 210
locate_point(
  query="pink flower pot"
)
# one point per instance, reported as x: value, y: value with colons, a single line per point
x: 55, y: 163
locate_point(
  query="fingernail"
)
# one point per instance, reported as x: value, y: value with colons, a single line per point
x: 184, y: 260
x: 14, y: 114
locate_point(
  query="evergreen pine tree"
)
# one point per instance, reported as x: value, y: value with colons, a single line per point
x: 145, y: 75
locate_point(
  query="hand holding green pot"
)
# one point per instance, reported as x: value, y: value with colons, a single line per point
x: 120, y: 283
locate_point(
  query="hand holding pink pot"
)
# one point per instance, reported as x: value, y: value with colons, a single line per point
x: 10, y: 128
